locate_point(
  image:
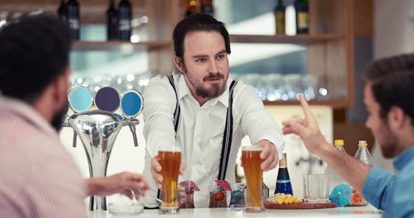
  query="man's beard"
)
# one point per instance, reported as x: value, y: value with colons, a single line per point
x: 58, y: 117
x: 215, y: 90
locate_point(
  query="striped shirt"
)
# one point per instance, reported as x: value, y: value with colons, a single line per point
x: 38, y: 177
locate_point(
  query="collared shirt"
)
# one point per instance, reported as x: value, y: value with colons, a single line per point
x: 38, y: 176
x: 200, y: 130
x: 393, y: 193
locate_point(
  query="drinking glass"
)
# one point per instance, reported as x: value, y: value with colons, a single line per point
x: 254, y: 178
x: 169, y: 158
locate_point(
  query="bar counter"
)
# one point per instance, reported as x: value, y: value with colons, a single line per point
x: 359, y: 212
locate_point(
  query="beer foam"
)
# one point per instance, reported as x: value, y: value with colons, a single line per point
x: 252, y: 148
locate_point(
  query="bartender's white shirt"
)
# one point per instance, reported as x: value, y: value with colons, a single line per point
x: 200, y: 131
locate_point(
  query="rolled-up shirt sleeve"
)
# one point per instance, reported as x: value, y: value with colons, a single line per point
x: 256, y: 122
x: 378, y: 188
x: 160, y: 100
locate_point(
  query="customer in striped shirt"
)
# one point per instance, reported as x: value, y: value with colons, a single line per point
x: 38, y: 177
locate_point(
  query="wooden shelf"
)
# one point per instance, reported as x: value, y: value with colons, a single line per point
x: 297, y: 39
x: 336, y: 103
x: 116, y: 45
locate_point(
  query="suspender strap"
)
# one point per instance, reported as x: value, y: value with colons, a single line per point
x: 227, y: 136
x: 177, y: 105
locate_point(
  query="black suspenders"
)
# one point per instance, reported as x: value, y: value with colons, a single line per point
x: 228, y: 130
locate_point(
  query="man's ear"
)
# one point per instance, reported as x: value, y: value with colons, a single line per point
x: 61, y: 87
x: 397, y: 118
x: 179, y: 64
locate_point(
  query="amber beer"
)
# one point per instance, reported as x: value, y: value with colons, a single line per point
x: 170, y: 167
x: 254, y: 176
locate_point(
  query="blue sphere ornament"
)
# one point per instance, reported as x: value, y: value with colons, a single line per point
x: 341, y: 195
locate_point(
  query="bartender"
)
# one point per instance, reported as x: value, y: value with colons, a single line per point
x: 203, y: 110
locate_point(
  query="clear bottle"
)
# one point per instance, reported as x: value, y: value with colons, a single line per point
x: 335, y: 178
x: 283, y: 184
x: 279, y: 13
x: 363, y: 153
x: 364, y: 156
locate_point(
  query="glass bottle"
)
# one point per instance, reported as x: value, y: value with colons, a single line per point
x: 61, y: 11
x: 283, y: 184
x: 190, y: 7
x: 363, y: 153
x: 73, y: 16
x: 364, y: 156
x: 207, y: 7
x: 335, y: 178
x: 279, y: 13
x: 111, y: 21
x: 124, y: 20
x: 302, y: 16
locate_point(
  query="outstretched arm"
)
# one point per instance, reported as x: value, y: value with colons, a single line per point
x: 352, y: 170
x: 124, y: 183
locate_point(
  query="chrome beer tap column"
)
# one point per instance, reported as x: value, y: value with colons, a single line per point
x: 98, y: 129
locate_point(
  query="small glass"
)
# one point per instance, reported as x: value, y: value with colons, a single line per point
x: 237, y: 201
x: 185, y: 199
x: 316, y: 187
x: 218, y: 196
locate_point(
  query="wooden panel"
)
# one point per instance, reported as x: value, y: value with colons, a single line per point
x: 351, y: 133
x: 164, y: 16
x: 364, y: 18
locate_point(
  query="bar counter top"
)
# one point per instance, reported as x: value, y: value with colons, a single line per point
x: 359, y: 212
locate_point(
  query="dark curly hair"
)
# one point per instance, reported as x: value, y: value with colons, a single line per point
x: 392, y: 82
x: 34, y: 51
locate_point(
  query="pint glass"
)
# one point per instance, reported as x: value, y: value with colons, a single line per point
x: 170, y: 160
x: 251, y: 163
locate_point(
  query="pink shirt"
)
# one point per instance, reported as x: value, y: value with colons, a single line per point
x: 38, y: 178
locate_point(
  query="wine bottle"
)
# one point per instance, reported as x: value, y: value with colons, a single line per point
x: 279, y: 13
x: 207, y: 7
x: 111, y: 21
x: 283, y: 184
x: 190, y: 7
x: 73, y: 13
x: 61, y: 11
x: 124, y: 20
x: 302, y: 16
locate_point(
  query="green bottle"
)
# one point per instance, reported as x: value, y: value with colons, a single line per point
x: 302, y: 16
x: 279, y: 13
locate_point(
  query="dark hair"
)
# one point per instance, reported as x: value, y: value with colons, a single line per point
x: 34, y: 51
x: 197, y: 22
x: 392, y: 82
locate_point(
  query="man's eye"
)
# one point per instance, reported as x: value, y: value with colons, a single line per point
x: 219, y: 57
x: 200, y: 60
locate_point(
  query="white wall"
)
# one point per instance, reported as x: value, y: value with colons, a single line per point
x: 393, y: 27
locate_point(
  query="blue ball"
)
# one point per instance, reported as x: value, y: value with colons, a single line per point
x: 341, y: 195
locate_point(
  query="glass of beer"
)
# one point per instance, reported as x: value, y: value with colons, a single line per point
x: 254, y: 178
x: 170, y: 161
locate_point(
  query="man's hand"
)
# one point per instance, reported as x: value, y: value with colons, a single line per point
x: 269, y: 155
x: 129, y: 184
x: 307, y: 129
x: 156, y: 171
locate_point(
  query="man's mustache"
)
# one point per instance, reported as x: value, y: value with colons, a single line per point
x: 213, y: 76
